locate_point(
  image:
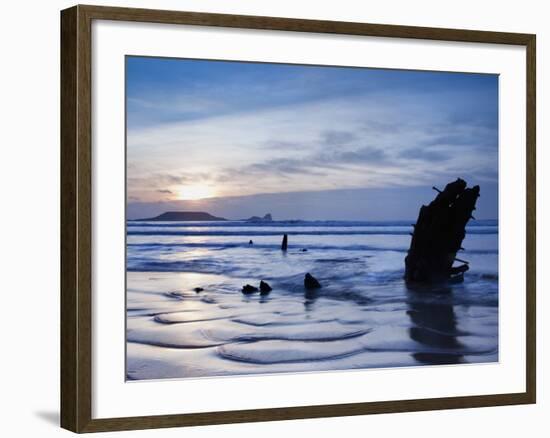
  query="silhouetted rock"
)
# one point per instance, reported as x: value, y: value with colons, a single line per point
x: 248, y: 289
x: 198, y: 289
x: 265, y: 288
x: 266, y: 218
x: 185, y: 216
x: 438, y: 235
x: 284, y: 245
x: 310, y: 282
x: 303, y: 250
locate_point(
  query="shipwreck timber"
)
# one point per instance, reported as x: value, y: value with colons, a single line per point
x: 438, y: 235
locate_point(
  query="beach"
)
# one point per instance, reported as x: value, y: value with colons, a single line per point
x: 363, y: 316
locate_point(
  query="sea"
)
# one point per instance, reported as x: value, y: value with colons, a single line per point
x: 363, y: 316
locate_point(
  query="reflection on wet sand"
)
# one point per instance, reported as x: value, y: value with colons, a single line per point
x: 434, y: 325
x: 310, y: 297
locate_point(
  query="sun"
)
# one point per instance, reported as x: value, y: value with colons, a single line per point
x: 195, y: 192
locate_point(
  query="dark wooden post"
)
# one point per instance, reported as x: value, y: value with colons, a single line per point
x: 438, y: 235
x: 284, y: 245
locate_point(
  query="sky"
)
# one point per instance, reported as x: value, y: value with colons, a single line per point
x: 238, y: 139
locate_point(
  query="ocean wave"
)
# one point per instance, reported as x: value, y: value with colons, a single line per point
x: 154, y: 246
x: 282, y: 231
x: 291, y: 223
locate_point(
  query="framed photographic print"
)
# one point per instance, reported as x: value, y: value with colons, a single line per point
x: 304, y: 218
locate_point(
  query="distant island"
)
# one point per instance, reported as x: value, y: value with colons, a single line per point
x: 199, y: 216
x: 184, y: 216
x: 266, y: 218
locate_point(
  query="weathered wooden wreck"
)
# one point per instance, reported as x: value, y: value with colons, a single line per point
x: 438, y: 235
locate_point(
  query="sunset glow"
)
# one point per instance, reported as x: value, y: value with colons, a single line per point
x: 195, y: 192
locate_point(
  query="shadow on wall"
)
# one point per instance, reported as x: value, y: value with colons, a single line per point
x: 51, y: 417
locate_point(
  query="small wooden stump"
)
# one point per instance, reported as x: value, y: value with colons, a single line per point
x: 265, y: 288
x: 310, y: 282
x: 248, y: 289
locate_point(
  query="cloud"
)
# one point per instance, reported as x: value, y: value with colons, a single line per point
x: 167, y: 178
x: 274, y: 144
x: 284, y: 166
x: 374, y: 139
x: 318, y: 164
x: 337, y: 138
x: 365, y: 155
x: 156, y: 181
x: 425, y: 154
x: 168, y: 192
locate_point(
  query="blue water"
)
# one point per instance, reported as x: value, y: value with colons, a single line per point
x: 364, y: 316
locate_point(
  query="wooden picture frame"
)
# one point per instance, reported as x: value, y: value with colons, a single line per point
x: 76, y: 217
